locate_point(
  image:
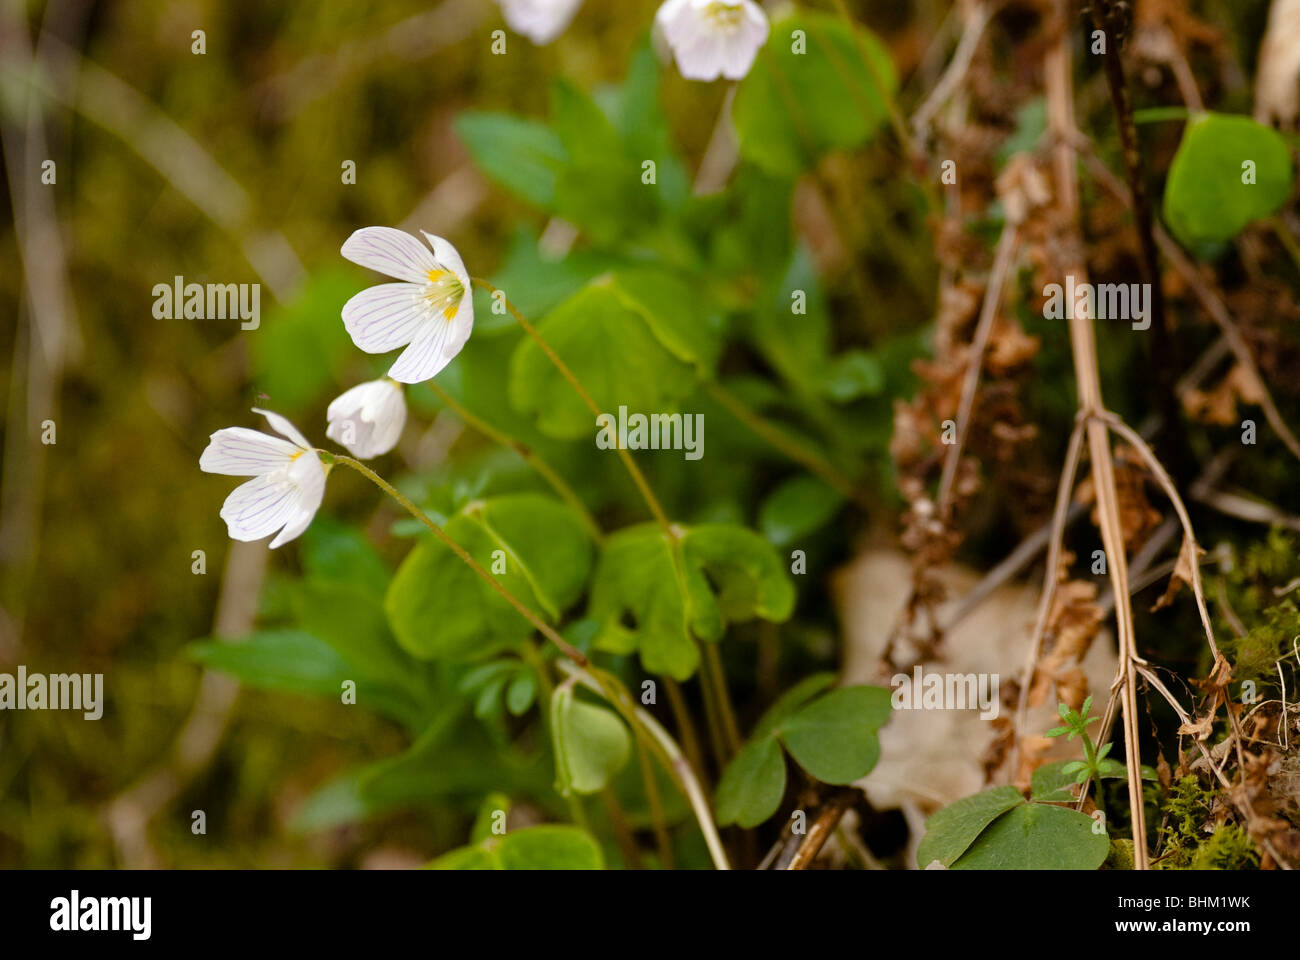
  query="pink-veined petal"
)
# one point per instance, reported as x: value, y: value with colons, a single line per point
x: 258, y: 508
x: 241, y: 452
x: 426, y: 356
x: 387, y: 316
x: 394, y: 253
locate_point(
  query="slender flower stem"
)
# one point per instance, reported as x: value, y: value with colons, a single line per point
x: 638, y: 477
x: 558, y: 483
x: 542, y: 626
x: 531, y: 656
x: 662, y: 840
x: 715, y: 673
x: 668, y: 753
x: 685, y: 725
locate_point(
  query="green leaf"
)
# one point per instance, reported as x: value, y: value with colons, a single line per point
x: 493, y: 810
x: 292, y: 661
x: 734, y: 575
x: 439, y: 608
x: 521, y: 692
x: 533, y: 283
x: 789, y: 702
x: 1112, y: 770
x: 793, y: 107
x: 1037, y: 836
x: 613, y: 353
x: 854, y: 374
x: 675, y: 312
x: 1205, y: 198
x: 351, y: 619
x: 727, y: 574
x: 548, y: 847
x: 752, y: 786
x: 523, y: 156
x: 950, y: 832
x: 552, y: 847
x: 1051, y: 783
x: 636, y: 579
x: 643, y: 125
x: 335, y: 551
x: 797, y: 508
x: 834, y: 737
x: 591, y: 743
x: 599, y: 187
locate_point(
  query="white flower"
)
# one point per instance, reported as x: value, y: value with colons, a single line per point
x: 541, y: 21
x: 713, y: 38
x: 432, y: 309
x: 368, y: 419
x: 288, y: 484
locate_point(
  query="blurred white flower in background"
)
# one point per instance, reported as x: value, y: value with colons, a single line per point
x: 431, y: 312
x: 541, y: 21
x: 288, y: 484
x: 368, y: 419
x: 713, y: 38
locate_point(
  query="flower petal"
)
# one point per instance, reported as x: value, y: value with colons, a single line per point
x: 282, y: 426
x: 368, y: 419
x: 394, y: 253
x: 258, y: 508
x: 385, y: 317
x: 426, y: 356
x: 449, y: 258
x: 241, y: 452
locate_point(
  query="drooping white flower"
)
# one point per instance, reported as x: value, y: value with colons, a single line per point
x: 541, y: 21
x: 368, y: 419
x: 713, y: 38
x: 431, y: 312
x: 288, y: 480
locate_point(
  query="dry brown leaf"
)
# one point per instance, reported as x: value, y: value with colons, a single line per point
x: 1182, y: 573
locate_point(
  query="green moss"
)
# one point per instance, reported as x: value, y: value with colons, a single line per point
x: 1229, y: 848
x: 1187, y: 846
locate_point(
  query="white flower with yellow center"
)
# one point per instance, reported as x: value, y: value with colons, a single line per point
x: 541, y: 21
x: 713, y: 38
x: 431, y: 312
x: 368, y: 419
x: 288, y: 480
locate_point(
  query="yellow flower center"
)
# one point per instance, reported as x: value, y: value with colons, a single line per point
x: 444, y: 292
x: 725, y: 16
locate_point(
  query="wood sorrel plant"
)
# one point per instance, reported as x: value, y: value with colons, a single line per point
x: 603, y: 648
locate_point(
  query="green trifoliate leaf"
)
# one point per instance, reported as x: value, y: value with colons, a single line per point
x: 835, y: 738
x: 950, y: 832
x: 535, y: 546
x: 1037, y: 836
x: 752, y: 785
x: 613, y: 353
x: 648, y: 600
